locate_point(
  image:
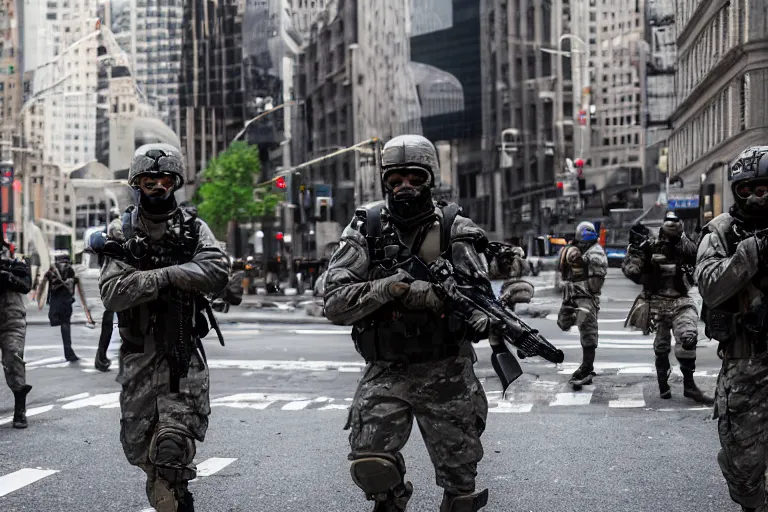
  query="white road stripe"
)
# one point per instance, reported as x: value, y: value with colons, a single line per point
x: 21, y: 478
x: 638, y: 370
x: 511, y: 407
x: 47, y: 360
x: 332, y: 407
x: 213, y: 465
x: 296, y: 406
x: 259, y: 365
x: 74, y: 397
x: 629, y: 398
x: 94, y: 401
x: 566, y: 399
x: 321, y: 331
x: 30, y: 412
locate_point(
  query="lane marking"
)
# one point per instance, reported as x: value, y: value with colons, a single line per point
x: 296, y: 406
x: 211, y: 466
x: 334, y: 407
x: 74, y: 397
x: 631, y: 397
x: 568, y: 399
x: 260, y: 365
x: 94, y: 401
x: 30, y: 412
x: 21, y: 478
x: 509, y: 407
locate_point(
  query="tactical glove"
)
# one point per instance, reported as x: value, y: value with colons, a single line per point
x: 422, y: 295
x: 390, y: 288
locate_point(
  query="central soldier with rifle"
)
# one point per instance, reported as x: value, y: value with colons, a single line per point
x: 411, y: 277
x: 156, y: 276
x: 664, y: 267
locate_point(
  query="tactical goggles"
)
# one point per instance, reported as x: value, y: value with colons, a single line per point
x: 758, y: 189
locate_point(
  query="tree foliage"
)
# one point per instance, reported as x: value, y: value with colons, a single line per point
x: 227, y: 192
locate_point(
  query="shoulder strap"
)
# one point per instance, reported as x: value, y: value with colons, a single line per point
x: 450, y: 212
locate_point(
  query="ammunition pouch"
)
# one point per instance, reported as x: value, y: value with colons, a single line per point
x: 410, y: 338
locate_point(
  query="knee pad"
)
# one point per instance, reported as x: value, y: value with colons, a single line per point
x: 465, y: 502
x: 171, y: 453
x: 381, y: 477
x: 689, y: 341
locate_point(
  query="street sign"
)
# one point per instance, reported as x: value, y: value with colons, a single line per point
x: 323, y: 191
x: 681, y: 203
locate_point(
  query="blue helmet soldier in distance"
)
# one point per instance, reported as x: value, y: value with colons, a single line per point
x: 732, y: 275
x: 583, y: 265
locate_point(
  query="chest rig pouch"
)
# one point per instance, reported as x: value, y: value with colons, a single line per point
x: 394, y: 333
x: 175, y: 320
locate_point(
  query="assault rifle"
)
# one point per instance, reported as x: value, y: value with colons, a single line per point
x: 464, y: 293
x: 136, y: 252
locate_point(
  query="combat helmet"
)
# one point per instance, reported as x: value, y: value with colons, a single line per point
x: 156, y: 159
x: 409, y: 151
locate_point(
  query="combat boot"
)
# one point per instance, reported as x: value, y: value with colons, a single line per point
x: 464, y: 502
x: 690, y: 389
x: 185, y: 502
x: 20, y: 407
x: 663, y: 371
x: 102, y: 363
x: 583, y: 375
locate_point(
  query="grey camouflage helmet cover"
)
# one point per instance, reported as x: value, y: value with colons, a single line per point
x: 156, y: 158
x: 751, y: 163
x: 406, y: 151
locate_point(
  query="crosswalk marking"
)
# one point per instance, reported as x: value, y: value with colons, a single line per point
x: 629, y: 398
x: 510, y: 407
x: 296, y: 406
x: 213, y: 465
x: 581, y: 398
x: 30, y: 412
x: 74, y: 397
x: 97, y: 400
x: 21, y: 478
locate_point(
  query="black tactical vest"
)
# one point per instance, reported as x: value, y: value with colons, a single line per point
x: 393, y: 333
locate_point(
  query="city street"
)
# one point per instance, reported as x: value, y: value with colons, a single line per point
x: 279, y: 396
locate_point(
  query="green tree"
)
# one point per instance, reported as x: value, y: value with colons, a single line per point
x: 227, y: 193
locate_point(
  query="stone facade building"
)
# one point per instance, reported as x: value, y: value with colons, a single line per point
x: 722, y: 92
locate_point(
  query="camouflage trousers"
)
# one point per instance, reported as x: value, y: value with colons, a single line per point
x: 741, y: 406
x: 13, y: 329
x: 676, y: 317
x: 147, y: 404
x: 450, y: 407
x: 584, y: 318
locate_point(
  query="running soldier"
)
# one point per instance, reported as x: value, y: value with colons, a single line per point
x: 15, y: 283
x: 664, y: 267
x: 420, y: 361
x: 583, y: 267
x: 732, y: 274
x: 153, y: 281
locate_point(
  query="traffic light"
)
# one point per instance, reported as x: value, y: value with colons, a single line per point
x: 280, y: 182
x: 560, y: 185
x: 279, y: 236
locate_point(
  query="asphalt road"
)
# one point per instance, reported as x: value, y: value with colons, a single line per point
x: 276, y: 441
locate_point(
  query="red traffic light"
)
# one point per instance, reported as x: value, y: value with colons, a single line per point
x: 560, y: 185
x: 279, y: 236
x: 280, y: 182
x: 579, y: 163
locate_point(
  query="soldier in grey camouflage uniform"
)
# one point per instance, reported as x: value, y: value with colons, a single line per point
x: 15, y: 282
x: 732, y: 274
x: 164, y: 401
x: 420, y: 362
x: 583, y: 266
x: 664, y: 268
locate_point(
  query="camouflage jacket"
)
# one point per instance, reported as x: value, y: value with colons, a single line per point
x: 123, y: 287
x: 350, y: 293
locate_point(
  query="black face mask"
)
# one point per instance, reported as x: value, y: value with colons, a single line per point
x: 751, y: 200
x: 157, y: 204
x: 411, y: 205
